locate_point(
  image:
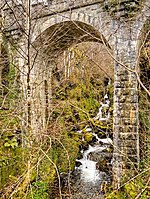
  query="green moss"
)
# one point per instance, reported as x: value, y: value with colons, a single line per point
x: 75, y: 136
x: 88, y: 137
x: 40, y: 190
x: 68, y: 154
x: 126, y: 9
x: 12, y: 163
x: 10, y: 152
x: 133, y: 188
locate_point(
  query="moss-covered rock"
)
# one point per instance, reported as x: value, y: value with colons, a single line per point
x: 88, y: 137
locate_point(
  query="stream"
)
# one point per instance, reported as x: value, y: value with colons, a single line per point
x: 93, y: 170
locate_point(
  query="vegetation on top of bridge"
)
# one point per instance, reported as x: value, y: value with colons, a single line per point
x: 123, y: 8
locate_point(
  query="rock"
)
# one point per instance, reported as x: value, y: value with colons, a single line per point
x: 88, y: 137
x: 103, y: 160
x: 78, y: 163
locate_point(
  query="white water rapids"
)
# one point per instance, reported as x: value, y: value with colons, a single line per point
x: 88, y: 170
x: 89, y: 173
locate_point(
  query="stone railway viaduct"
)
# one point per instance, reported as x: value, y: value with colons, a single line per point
x: 50, y: 27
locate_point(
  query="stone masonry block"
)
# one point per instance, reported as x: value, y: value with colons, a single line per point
x: 126, y: 113
x: 128, y: 136
x: 128, y: 150
x: 125, y: 121
x: 123, y: 129
x: 125, y: 83
x: 125, y: 106
x: 125, y: 98
x: 127, y: 143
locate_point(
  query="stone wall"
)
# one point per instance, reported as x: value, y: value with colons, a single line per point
x: 58, y: 6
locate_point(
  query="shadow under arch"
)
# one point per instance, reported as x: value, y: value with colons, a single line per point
x: 57, y: 38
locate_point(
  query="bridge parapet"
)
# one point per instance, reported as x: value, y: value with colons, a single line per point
x: 41, y: 8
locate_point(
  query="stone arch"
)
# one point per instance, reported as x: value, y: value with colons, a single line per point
x: 49, y: 44
x: 62, y: 35
x: 98, y: 22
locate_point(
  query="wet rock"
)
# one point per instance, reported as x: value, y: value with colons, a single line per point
x: 63, y: 180
x: 84, y: 146
x: 78, y: 163
x: 80, y: 155
x: 101, y: 134
x: 94, y: 139
x: 75, y: 128
x: 96, y: 156
x: 103, y: 160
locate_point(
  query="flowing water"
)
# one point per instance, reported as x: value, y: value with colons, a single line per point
x: 89, y: 173
x: 92, y: 171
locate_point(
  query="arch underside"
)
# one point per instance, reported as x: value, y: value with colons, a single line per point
x: 57, y: 38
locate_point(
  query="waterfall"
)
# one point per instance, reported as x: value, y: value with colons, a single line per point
x: 89, y: 173
x: 88, y: 170
x: 103, y: 113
